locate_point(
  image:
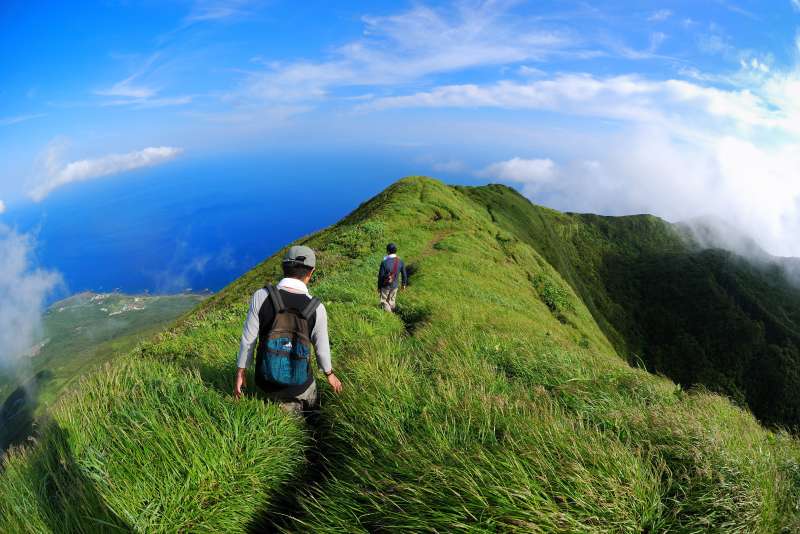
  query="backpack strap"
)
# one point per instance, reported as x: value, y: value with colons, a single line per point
x: 396, y: 267
x: 310, y: 308
x: 277, y: 300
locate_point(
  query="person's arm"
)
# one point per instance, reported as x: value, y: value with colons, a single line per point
x: 404, y: 273
x: 322, y: 346
x: 248, y: 342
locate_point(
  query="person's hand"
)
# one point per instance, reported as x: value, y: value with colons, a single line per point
x: 335, y: 383
x: 240, y: 383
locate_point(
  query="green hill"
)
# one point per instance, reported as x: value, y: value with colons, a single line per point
x: 499, y: 398
x: 78, y: 334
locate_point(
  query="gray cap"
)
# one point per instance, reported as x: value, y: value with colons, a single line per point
x: 300, y: 255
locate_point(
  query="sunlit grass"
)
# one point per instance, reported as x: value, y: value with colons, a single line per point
x: 486, y: 404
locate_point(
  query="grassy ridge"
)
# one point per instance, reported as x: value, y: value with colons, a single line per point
x: 492, y: 401
x: 699, y: 316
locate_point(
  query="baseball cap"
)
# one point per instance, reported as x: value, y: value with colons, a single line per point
x: 302, y: 255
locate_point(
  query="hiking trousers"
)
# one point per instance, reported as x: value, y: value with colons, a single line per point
x: 307, y: 401
x: 388, y: 298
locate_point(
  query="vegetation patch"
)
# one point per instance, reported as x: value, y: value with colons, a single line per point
x: 493, y: 416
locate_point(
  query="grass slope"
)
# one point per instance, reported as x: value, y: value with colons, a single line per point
x: 700, y: 316
x: 495, y: 400
x: 79, y: 334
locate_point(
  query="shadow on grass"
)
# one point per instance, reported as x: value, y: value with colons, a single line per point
x: 278, y: 514
x: 68, y: 499
x: 413, y: 317
x: 17, y: 420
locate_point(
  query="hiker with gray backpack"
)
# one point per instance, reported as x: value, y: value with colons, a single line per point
x: 391, y: 271
x: 284, y: 321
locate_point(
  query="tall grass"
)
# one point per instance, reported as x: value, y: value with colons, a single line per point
x: 484, y: 405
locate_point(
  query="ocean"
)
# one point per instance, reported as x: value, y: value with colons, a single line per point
x: 197, y: 223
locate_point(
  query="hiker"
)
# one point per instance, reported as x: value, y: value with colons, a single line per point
x: 285, y: 320
x: 391, y: 270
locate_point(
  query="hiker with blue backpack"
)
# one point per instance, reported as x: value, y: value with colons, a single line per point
x: 284, y: 321
x: 391, y: 271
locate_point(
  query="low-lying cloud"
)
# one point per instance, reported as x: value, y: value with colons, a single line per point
x: 532, y: 173
x: 675, y: 148
x: 59, y: 175
x: 755, y: 189
x: 23, y: 292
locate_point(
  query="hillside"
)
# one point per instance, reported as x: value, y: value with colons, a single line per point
x: 78, y: 334
x: 497, y: 399
x: 700, y: 316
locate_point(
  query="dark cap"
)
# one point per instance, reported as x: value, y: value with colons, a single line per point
x: 391, y: 248
x: 300, y: 255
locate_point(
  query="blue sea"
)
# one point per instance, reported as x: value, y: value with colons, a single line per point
x: 196, y: 223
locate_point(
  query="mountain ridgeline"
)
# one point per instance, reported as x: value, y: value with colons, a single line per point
x: 701, y: 316
x: 525, y: 385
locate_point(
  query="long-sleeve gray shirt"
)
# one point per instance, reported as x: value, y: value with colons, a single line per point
x: 319, y: 335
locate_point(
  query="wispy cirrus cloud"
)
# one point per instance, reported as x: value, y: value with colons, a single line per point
x: 211, y: 11
x: 58, y: 174
x: 133, y: 91
x: 16, y: 119
x: 660, y: 16
x: 214, y: 10
x: 126, y: 89
x: 410, y: 46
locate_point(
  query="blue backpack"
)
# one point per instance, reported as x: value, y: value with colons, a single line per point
x: 285, y: 354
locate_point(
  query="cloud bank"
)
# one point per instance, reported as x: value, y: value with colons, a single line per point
x: 23, y: 291
x: 675, y: 148
x: 2, y: 207
x: 533, y: 173
x: 87, y: 169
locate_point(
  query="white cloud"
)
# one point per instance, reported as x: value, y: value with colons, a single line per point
x: 661, y: 15
x: 23, y: 290
x: 672, y: 103
x: 58, y: 175
x: 531, y: 173
x: 417, y: 43
x: 2, y: 207
x: 147, y: 103
x: 796, y: 4
x: 215, y: 10
x: 755, y: 188
x: 127, y: 89
x: 132, y: 91
x: 531, y: 72
x: 675, y: 148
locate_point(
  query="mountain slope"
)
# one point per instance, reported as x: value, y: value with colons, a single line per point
x: 494, y: 400
x: 78, y: 334
x: 697, y: 315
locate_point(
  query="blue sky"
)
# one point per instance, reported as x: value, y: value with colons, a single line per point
x: 676, y: 108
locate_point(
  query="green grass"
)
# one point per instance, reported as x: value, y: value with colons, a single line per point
x: 79, y: 334
x: 494, y: 400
